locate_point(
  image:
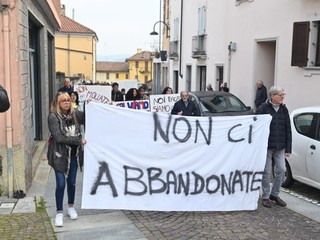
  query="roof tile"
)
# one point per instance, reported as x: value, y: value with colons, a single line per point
x: 112, y: 67
x: 142, y: 56
x: 71, y: 26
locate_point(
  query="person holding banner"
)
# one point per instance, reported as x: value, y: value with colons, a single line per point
x: 116, y: 95
x: 64, y: 147
x: 123, y: 91
x: 74, y: 100
x: 279, y: 145
x: 142, y: 94
x: 132, y: 94
x: 184, y: 106
x: 167, y: 90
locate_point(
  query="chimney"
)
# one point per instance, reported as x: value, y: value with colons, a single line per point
x: 63, y: 10
x: 139, y: 50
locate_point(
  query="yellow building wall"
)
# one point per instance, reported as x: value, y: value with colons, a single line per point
x: 102, y: 77
x: 75, y: 55
x: 140, y: 71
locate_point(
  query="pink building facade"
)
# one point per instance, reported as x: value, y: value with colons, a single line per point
x: 27, y: 72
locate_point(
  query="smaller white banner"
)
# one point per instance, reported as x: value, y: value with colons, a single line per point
x: 93, y: 93
x: 163, y: 103
x: 138, y: 105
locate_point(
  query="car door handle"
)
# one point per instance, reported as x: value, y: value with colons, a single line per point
x: 313, y: 147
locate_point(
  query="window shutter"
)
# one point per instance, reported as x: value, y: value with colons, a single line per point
x: 176, y: 29
x: 317, y: 62
x: 300, y: 42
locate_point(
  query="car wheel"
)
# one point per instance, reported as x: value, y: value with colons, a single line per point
x: 288, y: 179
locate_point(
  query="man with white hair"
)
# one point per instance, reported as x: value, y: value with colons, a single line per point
x: 279, y: 145
x: 184, y: 106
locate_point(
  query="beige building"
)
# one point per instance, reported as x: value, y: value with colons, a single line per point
x: 75, y: 46
x: 140, y: 67
x: 27, y: 71
x: 109, y: 72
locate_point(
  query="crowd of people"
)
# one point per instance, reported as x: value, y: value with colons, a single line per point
x: 67, y: 139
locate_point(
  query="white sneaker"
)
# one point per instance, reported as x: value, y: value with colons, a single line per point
x: 58, y: 222
x: 72, y: 213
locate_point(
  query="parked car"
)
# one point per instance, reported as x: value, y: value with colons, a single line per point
x: 218, y: 103
x: 304, y: 163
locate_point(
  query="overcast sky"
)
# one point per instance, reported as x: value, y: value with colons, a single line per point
x: 122, y: 26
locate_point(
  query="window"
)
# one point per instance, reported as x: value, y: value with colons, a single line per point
x: 117, y: 75
x: 146, y: 66
x: 199, y: 46
x: 221, y: 103
x: 306, y: 44
x: 188, y: 77
x: 202, y: 20
x: 201, y: 78
x: 176, y: 27
x: 300, y: 43
x: 107, y: 76
x: 173, y: 50
x: 315, y: 38
x: 305, y: 124
x: 137, y: 64
x: 127, y: 76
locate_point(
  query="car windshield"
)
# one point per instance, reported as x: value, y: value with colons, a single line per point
x: 219, y: 104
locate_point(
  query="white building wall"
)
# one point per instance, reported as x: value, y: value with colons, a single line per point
x: 217, y: 43
x: 251, y: 22
x: 262, y: 31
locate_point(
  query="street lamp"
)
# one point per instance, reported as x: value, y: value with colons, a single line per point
x: 154, y: 26
x: 162, y: 54
x: 154, y: 33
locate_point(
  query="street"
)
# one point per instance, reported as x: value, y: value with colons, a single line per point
x: 304, y: 191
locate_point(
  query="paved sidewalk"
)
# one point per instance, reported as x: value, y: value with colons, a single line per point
x: 19, y: 219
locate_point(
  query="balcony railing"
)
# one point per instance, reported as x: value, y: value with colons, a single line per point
x: 173, y: 50
x: 199, y: 46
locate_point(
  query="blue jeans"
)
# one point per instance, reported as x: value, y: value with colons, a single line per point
x: 71, y: 184
x: 280, y: 168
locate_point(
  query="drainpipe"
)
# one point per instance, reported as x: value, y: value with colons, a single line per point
x: 229, y: 65
x: 181, y: 24
x: 231, y: 48
x: 69, y: 53
x: 6, y: 50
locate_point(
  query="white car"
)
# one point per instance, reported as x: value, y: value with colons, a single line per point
x: 304, y: 163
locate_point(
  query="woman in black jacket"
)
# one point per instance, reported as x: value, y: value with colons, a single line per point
x: 64, y: 146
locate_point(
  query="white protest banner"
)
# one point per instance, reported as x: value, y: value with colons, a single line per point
x: 163, y: 103
x: 95, y: 93
x: 139, y: 160
x: 138, y: 104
